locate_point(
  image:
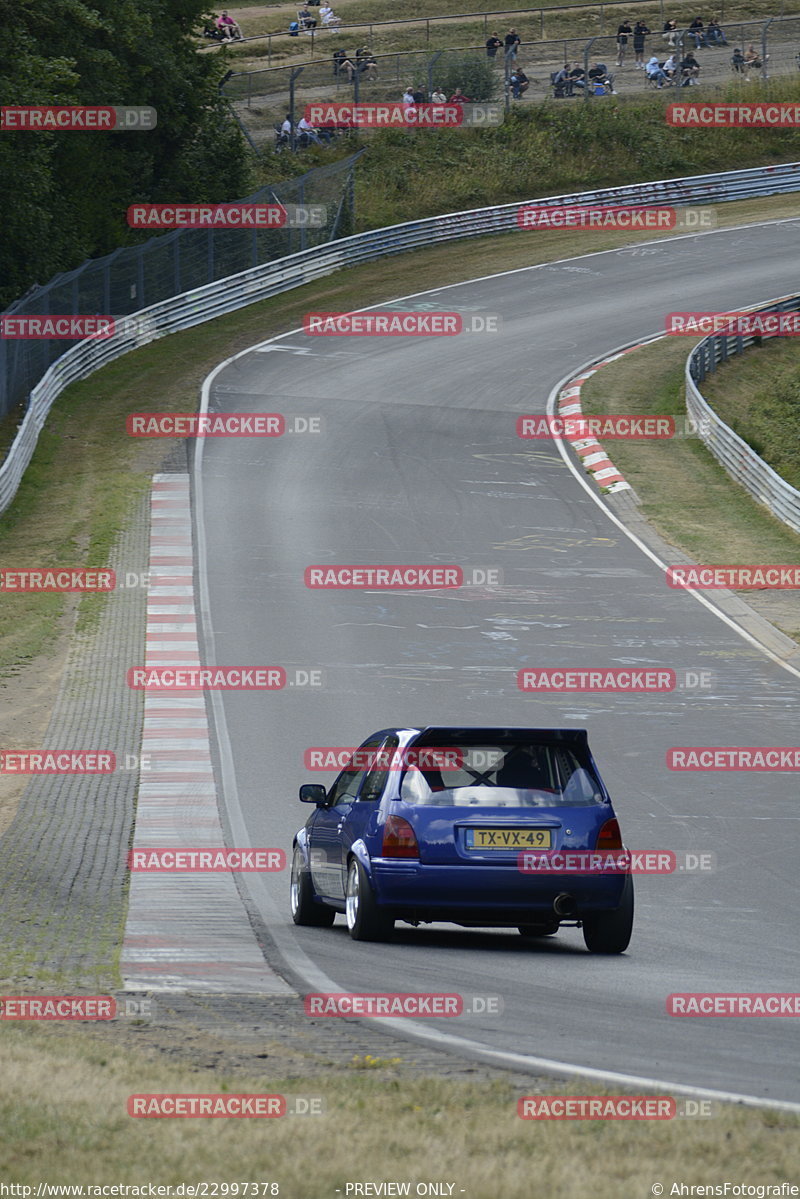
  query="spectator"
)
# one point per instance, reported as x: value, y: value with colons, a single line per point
x: 577, y: 75
x: 640, y: 32
x: 714, y: 34
x: 519, y: 83
x: 600, y: 87
x: 338, y: 58
x: 624, y: 31
x: 367, y: 65
x: 307, y: 133
x: 419, y: 96
x: 286, y: 127
x: 670, y: 67
x: 738, y: 63
x: 599, y: 73
x: 305, y: 18
x: 438, y: 96
x: 458, y: 97
x: 327, y: 16
x: 228, y: 27
x: 690, y: 69
x: 493, y: 44
x: 512, y: 44
x: 752, y: 60
x: 347, y: 65
x: 670, y: 34
x: 408, y: 95
x: 696, y: 30
x: 653, y: 71
x: 562, y: 84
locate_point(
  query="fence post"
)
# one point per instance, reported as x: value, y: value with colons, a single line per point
x: 764, y: 29
x: 431, y: 63
x: 292, y: 135
x: 586, y: 88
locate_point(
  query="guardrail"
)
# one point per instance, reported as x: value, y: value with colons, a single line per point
x: 202, y: 304
x: 738, y: 458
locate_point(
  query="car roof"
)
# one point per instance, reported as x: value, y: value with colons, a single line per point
x: 437, y: 734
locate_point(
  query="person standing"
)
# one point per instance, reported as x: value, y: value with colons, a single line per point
x: 493, y: 44
x: 512, y: 43
x: 640, y: 32
x: 624, y: 31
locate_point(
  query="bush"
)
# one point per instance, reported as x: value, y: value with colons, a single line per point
x: 474, y: 74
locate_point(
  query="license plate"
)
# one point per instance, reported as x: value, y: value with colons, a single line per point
x: 508, y: 838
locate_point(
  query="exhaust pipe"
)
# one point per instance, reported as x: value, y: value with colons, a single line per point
x: 564, y: 905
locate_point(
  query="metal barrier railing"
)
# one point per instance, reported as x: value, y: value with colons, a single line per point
x: 203, y: 304
x: 734, y: 454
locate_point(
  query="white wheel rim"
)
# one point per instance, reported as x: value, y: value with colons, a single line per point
x: 294, y: 886
x: 351, y: 899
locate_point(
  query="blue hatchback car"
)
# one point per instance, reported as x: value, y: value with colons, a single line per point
x: 448, y: 824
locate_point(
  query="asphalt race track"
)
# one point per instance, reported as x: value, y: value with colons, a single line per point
x: 419, y: 462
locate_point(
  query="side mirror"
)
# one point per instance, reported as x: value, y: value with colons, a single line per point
x: 314, y: 793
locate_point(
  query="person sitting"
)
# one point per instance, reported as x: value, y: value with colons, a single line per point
x: 519, y: 83
x: 670, y: 67
x: 715, y: 34
x: 338, y: 57
x: 697, y: 31
x: 562, y: 84
x: 458, y: 97
x: 600, y: 87
x: 349, y: 67
x: 438, y: 96
x: 305, y: 18
x: 752, y: 60
x: 578, y: 75
x: 228, y: 27
x: 211, y: 31
x: 737, y: 62
x: 599, y: 74
x: 327, y: 16
x: 690, y: 69
x: 367, y: 66
x: 670, y: 34
x: 654, y: 71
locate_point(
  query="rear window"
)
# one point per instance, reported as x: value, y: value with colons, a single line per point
x: 514, y: 776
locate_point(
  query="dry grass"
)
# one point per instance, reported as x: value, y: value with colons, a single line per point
x: 685, y: 493
x: 63, y: 1112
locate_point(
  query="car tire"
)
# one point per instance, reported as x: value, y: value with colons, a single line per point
x: 610, y: 932
x: 365, y: 921
x: 305, y: 909
x: 548, y: 929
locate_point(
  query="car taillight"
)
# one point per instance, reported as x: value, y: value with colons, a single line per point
x: 399, y: 840
x: 609, y: 836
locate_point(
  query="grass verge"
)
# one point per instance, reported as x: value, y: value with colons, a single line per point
x: 758, y: 395
x: 685, y: 493
x: 376, y: 1123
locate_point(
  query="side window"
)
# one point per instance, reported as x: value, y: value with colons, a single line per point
x: 346, y: 786
x: 376, y: 778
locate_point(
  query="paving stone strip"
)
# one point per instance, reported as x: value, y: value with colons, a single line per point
x: 184, y: 931
x: 63, y: 860
x: 63, y: 876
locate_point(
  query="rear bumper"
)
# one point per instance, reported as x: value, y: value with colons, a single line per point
x: 500, y: 894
